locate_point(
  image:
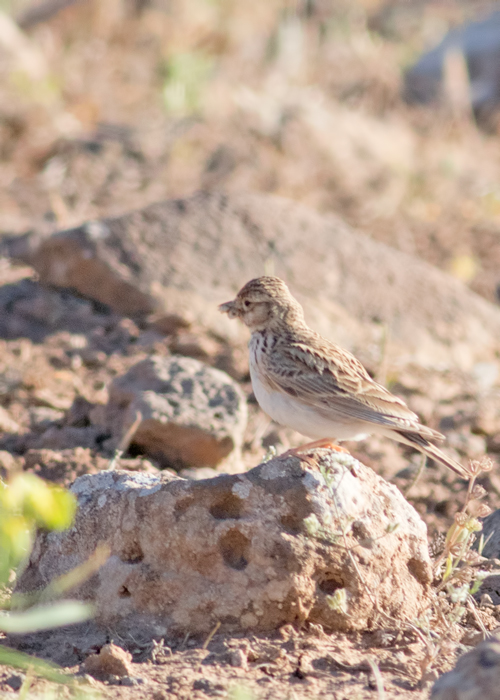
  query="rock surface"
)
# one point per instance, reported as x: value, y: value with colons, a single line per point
x: 491, y: 535
x: 252, y: 551
x: 475, y: 677
x: 110, y: 661
x: 190, y: 415
x: 185, y: 256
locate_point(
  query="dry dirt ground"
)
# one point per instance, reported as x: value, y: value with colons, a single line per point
x: 107, y: 107
x: 291, y: 664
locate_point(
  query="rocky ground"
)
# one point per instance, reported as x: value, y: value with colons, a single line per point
x: 90, y: 128
x: 61, y: 418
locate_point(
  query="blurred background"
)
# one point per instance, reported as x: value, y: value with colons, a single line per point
x: 108, y: 105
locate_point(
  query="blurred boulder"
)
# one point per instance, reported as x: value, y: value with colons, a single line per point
x: 479, y: 44
x: 183, y: 257
x: 289, y: 541
x: 476, y: 675
x: 187, y: 414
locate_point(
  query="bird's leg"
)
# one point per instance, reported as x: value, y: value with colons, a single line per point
x: 325, y: 443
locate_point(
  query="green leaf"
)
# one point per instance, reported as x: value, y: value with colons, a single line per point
x: 11, y: 657
x: 239, y: 692
x: 338, y: 601
x: 187, y: 74
x: 448, y: 567
x: 44, y: 504
x: 42, y: 617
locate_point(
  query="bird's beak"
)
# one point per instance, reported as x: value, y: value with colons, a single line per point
x: 229, y: 308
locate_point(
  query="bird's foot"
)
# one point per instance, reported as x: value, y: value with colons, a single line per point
x: 325, y: 443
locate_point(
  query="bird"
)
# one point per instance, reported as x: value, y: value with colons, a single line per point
x: 306, y: 382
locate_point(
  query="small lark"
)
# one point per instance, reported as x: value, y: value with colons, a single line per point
x: 308, y: 383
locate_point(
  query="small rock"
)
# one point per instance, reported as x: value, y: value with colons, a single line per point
x: 167, y: 324
x: 238, y: 658
x: 68, y: 437
x: 8, y: 463
x: 196, y: 345
x: 490, y: 588
x: 191, y: 415
x: 476, y: 675
x: 110, y: 661
x: 128, y: 680
x: 93, y: 358
x: 486, y: 418
x: 485, y: 599
x: 42, y: 417
x: 491, y: 535
x: 15, y: 681
x: 79, y: 413
x: 8, y: 424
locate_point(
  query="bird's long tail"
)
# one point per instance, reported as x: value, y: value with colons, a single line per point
x: 426, y: 447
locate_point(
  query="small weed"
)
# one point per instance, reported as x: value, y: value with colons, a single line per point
x: 457, y: 569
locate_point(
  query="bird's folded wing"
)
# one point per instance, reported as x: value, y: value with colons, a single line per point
x: 337, y: 385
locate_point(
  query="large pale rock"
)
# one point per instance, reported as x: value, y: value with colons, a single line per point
x: 191, y: 415
x: 183, y: 257
x: 252, y: 551
x: 476, y: 675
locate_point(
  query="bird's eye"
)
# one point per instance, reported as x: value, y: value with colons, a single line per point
x: 246, y: 303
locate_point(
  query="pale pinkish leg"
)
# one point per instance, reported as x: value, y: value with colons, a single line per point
x: 325, y: 443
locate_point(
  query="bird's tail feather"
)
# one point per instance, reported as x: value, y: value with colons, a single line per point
x: 423, y: 445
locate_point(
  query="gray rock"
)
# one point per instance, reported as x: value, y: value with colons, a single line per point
x: 476, y: 675
x: 15, y: 681
x: 491, y: 533
x: 287, y: 542
x: 480, y: 44
x: 182, y: 257
x: 191, y: 415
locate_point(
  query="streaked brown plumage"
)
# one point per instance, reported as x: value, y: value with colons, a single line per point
x: 308, y: 383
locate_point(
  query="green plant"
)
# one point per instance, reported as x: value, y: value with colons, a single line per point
x: 459, y: 572
x: 28, y: 503
x: 187, y: 73
x: 457, y: 568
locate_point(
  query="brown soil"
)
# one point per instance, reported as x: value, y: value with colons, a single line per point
x: 291, y: 664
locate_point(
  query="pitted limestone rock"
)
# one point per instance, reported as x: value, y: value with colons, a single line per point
x: 252, y: 551
x: 190, y: 415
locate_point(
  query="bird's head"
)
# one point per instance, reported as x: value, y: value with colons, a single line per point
x: 263, y: 303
